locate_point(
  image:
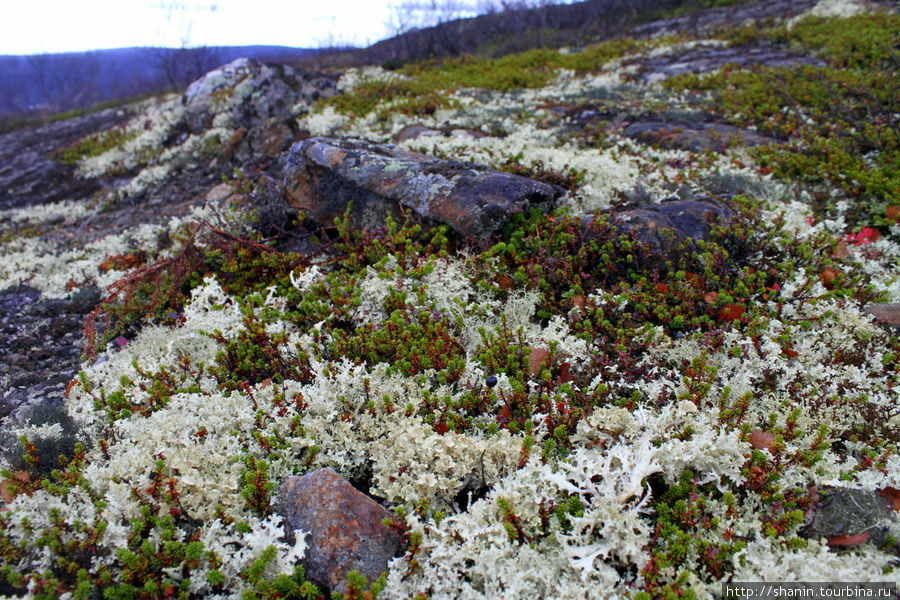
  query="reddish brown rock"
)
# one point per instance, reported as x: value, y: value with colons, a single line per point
x: 324, y: 175
x: 344, y: 528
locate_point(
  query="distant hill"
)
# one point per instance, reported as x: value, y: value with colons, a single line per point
x: 521, y: 27
x: 49, y: 83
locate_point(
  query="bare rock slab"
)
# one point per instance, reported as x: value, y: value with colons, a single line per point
x: 344, y: 528
x: 324, y: 175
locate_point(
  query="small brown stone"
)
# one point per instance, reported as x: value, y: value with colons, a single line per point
x: 344, y: 528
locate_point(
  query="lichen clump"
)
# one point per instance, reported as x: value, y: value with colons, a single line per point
x: 552, y: 413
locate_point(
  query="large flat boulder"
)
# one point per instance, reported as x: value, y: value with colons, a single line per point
x: 324, y: 175
x: 696, y: 137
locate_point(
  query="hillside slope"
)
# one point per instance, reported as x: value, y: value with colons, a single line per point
x: 563, y: 407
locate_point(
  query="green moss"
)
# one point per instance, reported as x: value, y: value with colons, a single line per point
x: 95, y: 145
x: 425, y: 85
x: 411, y: 341
x: 838, y: 122
x: 689, y: 531
x: 255, y: 355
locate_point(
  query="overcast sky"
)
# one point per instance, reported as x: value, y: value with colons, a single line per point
x: 33, y: 26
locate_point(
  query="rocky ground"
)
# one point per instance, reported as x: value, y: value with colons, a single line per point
x: 585, y: 333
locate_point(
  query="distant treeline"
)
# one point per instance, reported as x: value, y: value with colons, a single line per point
x: 522, y: 25
x: 51, y: 83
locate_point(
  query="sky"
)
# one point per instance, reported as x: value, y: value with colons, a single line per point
x: 37, y: 26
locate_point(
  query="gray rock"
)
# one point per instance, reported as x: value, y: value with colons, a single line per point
x: 324, y: 175
x: 414, y: 132
x: 42, y: 345
x: 705, y: 58
x: 849, y: 512
x: 344, y: 528
x: 696, y: 22
x: 696, y: 137
x: 31, y: 175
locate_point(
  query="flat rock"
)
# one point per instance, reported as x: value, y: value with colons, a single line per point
x: 696, y: 137
x: 696, y: 22
x: 324, y: 175
x: 709, y: 57
x: 885, y: 314
x: 662, y: 228
x: 344, y: 528
x: 30, y: 172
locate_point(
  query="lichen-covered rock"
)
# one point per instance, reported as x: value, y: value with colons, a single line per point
x: 254, y: 93
x: 324, y: 175
x: 344, y: 528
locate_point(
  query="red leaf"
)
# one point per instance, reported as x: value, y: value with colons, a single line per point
x: 840, y: 251
x: 760, y: 439
x: 505, y: 415
x: 892, y: 213
x: 892, y: 495
x: 730, y: 312
x: 440, y: 427
x: 564, y: 375
x: 6, y: 493
x: 538, y: 357
x: 828, y: 275
x: 695, y: 280
x: 848, y: 540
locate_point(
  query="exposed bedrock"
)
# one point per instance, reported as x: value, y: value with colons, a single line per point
x: 324, y: 175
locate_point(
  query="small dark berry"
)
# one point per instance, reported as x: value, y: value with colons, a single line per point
x: 491, y: 380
